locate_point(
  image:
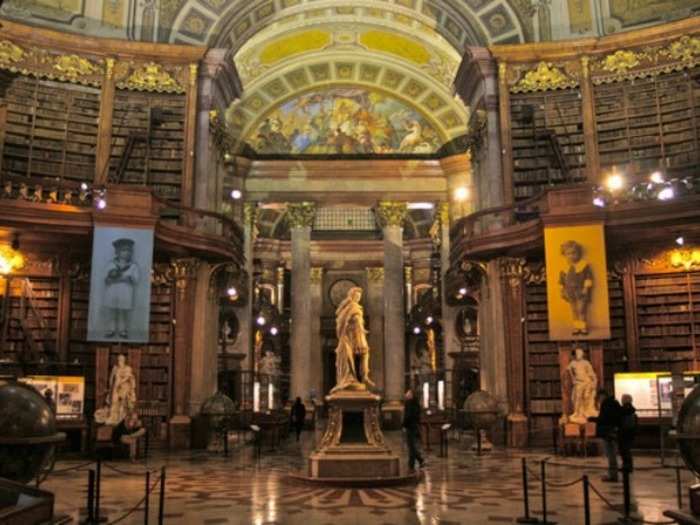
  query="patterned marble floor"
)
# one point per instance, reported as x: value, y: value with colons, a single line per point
x: 463, y: 489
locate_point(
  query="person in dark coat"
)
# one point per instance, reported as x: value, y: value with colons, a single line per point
x: 411, y: 424
x: 607, y: 424
x: 298, y: 416
x: 627, y: 431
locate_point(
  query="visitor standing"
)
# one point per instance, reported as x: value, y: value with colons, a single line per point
x: 411, y: 424
x: 298, y: 416
x: 607, y: 424
x: 627, y: 432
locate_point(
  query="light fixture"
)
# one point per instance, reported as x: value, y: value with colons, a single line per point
x: 429, y: 319
x: 274, y: 330
x: 615, y: 182
x: 680, y: 241
x: 656, y: 177
x: 84, y: 186
x: 420, y: 206
x: 416, y: 330
x: 101, y: 203
x: 461, y: 193
x: 10, y: 260
x: 236, y: 194
x: 232, y: 292
x: 462, y: 291
x: 599, y: 202
x: 261, y: 320
x: 666, y: 194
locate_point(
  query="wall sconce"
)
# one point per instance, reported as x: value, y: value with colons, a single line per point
x: 685, y: 258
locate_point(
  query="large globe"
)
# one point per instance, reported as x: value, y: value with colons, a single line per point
x: 218, y: 409
x: 689, y: 430
x: 481, y: 409
x: 27, y: 432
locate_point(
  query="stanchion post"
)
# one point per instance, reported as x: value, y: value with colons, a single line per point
x: 161, y: 499
x: 147, y: 498
x: 627, y: 497
x: 679, y: 491
x: 543, y: 474
x: 98, y: 482
x: 586, y: 502
x: 225, y: 433
x: 526, y: 498
x: 91, y: 497
x: 478, y: 442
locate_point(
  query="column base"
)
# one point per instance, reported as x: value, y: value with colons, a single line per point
x: 517, y: 430
x: 180, y: 432
x: 392, y: 415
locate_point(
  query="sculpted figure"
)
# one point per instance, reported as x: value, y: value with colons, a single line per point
x: 583, y: 391
x: 352, y: 341
x: 121, y: 397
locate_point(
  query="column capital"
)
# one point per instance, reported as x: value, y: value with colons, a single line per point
x: 184, y: 270
x: 251, y: 212
x: 301, y: 214
x: 391, y: 213
x: 513, y: 269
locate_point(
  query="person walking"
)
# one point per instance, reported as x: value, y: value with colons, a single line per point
x: 298, y: 416
x: 607, y: 423
x: 411, y: 424
x: 627, y: 432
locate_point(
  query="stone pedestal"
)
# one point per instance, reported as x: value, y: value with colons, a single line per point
x: 353, y: 448
x: 180, y: 432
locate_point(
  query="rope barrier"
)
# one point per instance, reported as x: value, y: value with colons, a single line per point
x: 138, y: 505
x: 126, y: 473
x: 76, y: 467
x: 564, y: 484
x: 612, y: 507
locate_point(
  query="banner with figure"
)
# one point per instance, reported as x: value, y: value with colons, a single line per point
x: 120, y: 285
x: 577, y: 282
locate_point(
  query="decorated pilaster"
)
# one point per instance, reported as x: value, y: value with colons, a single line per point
x: 391, y: 216
x: 450, y: 342
x: 374, y: 303
x: 188, y: 146
x: 316, y: 291
x: 301, y: 219
x: 184, y: 272
x: 245, y: 311
x: 104, y: 132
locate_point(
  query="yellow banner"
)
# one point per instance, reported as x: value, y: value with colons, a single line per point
x: 577, y: 283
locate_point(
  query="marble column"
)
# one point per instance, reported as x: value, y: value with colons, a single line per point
x: 391, y: 216
x: 492, y: 356
x: 184, y: 272
x: 301, y: 218
x: 244, y: 312
x: 316, y: 290
x: 374, y: 305
x: 450, y: 342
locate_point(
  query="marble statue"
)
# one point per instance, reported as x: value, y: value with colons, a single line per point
x: 583, y: 390
x: 352, y: 341
x: 270, y: 364
x: 121, y: 395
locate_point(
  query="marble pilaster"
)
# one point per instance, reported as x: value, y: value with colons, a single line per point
x: 316, y: 291
x: 450, y: 342
x: 374, y: 303
x: 301, y: 218
x: 203, y: 373
x: 391, y: 216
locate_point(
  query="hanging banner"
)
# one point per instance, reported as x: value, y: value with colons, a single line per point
x: 120, y: 285
x: 577, y: 282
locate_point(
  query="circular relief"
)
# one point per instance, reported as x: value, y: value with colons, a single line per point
x: 339, y: 290
x: 498, y: 22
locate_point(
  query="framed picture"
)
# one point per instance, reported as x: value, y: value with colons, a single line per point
x: 120, y: 285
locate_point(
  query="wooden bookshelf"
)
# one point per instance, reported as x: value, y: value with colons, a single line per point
x: 544, y: 380
x: 50, y: 129
x: 668, y: 319
x: 157, y: 162
x: 650, y: 123
x: 535, y: 167
x: 615, y: 357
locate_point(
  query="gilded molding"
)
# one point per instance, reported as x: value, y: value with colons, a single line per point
x: 301, y: 215
x: 151, y: 77
x: 10, y: 53
x: 183, y: 272
x: 375, y: 275
x: 513, y: 270
x: 685, y: 49
x: 391, y: 213
x: 316, y: 275
x: 193, y: 74
x: 109, y: 68
x: 73, y: 67
x: 251, y: 213
x: 544, y: 77
x: 621, y: 61
x: 408, y: 274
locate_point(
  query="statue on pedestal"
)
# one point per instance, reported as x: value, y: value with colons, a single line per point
x: 583, y: 390
x: 121, y: 395
x: 352, y: 341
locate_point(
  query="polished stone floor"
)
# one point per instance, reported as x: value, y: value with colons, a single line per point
x: 207, y: 488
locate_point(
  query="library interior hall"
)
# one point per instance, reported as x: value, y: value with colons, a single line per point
x: 349, y: 262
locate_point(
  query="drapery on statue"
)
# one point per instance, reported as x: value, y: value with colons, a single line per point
x: 584, y: 383
x: 121, y: 397
x: 352, y: 341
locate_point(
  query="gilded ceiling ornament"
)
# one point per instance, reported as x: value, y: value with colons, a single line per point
x: 621, y: 61
x: 10, y: 53
x: 685, y: 49
x: 301, y: 215
x: 152, y: 77
x: 545, y: 77
x: 391, y: 213
x: 72, y: 67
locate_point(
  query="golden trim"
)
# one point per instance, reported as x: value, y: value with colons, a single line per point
x: 621, y: 61
x: 685, y: 49
x: 73, y: 67
x: 109, y: 68
x: 152, y: 77
x: 10, y: 53
x: 544, y: 77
